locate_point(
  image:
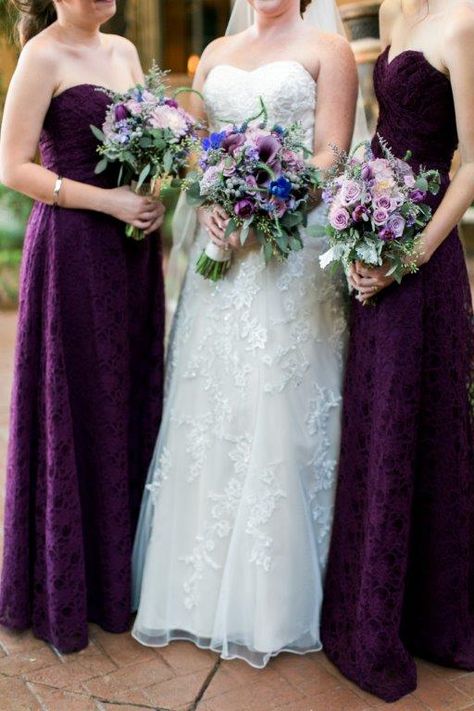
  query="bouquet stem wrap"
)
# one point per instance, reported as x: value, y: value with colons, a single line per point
x: 214, y: 262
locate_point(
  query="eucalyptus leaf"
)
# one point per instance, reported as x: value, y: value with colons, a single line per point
x: 231, y: 228
x: 143, y: 176
x: 101, y: 166
x: 98, y: 133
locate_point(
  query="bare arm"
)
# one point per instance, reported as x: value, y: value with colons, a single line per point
x: 336, y: 105
x: 30, y: 93
x: 459, y: 59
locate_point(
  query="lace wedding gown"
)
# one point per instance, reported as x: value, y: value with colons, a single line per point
x: 234, y: 528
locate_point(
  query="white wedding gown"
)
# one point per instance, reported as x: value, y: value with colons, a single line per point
x: 236, y: 517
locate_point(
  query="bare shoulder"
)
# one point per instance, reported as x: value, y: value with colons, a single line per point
x: 214, y: 49
x: 41, y: 53
x: 122, y: 45
x: 459, y: 25
x: 334, y: 49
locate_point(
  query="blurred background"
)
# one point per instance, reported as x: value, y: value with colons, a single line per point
x: 174, y: 32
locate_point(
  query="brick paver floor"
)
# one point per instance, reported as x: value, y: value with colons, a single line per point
x: 116, y: 674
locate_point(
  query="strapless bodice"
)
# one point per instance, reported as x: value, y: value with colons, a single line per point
x: 416, y: 109
x: 287, y: 89
x: 67, y: 145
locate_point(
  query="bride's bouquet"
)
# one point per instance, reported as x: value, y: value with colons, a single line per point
x: 258, y: 175
x: 376, y: 209
x: 149, y: 134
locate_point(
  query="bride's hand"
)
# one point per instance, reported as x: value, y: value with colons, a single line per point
x: 215, y: 223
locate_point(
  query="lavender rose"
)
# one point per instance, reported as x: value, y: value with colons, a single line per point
x: 396, y: 223
x: 350, y: 192
x: 339, y: 218
x: 384, y: 202
x: 380, y: 216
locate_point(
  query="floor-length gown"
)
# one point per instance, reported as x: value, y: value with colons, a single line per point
x: 87, y: 399
x: 234, y: 528
x: 400, y: 573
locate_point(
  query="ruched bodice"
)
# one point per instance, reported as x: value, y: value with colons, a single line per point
x: 416, y: 109
x: 288, y: 91
x: 67, y: 144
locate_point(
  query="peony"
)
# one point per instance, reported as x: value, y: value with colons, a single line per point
x: 167, y: 117
x: 380, y: 216
x: 339, y: 218
x: 409, y: 180
x: 350, y: 192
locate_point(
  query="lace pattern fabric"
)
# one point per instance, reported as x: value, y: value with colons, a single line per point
x: 234, y: 528
x: 86, y: 402
x: 400, y: 569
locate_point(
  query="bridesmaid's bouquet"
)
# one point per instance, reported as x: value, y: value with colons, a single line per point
x: 258, y: 175
x: 376, y: 209
x: 149, y: 134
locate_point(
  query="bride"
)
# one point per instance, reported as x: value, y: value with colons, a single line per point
x: 235, y: 522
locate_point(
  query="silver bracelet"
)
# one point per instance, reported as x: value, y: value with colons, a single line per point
x: 57, y: 189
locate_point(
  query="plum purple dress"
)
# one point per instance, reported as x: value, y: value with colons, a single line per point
x: 87, y: 400
x: 400, y: 576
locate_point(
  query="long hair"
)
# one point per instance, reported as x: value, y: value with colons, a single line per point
x: 35, y: 16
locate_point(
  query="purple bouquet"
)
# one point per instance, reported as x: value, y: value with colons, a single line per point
x: 149, y: 134
x: 376, y: 210
x: 258, y: 175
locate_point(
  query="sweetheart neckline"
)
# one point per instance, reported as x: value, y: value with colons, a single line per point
x: 418, y: 52
x: 262, y: 66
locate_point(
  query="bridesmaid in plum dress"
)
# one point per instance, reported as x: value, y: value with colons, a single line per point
x: 88, y: 375
x: 400, y: 578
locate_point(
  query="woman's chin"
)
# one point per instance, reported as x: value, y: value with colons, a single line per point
x: 106, y: 8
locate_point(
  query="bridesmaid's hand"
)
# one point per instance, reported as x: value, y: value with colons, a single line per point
x: 369, y: 281
x: 143, y: 212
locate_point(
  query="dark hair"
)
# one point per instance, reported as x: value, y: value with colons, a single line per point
x: 35, y: 16
x: 304, y: 4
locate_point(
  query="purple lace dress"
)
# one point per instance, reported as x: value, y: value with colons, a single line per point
x: 87, y: 400
x: 400, y: 576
